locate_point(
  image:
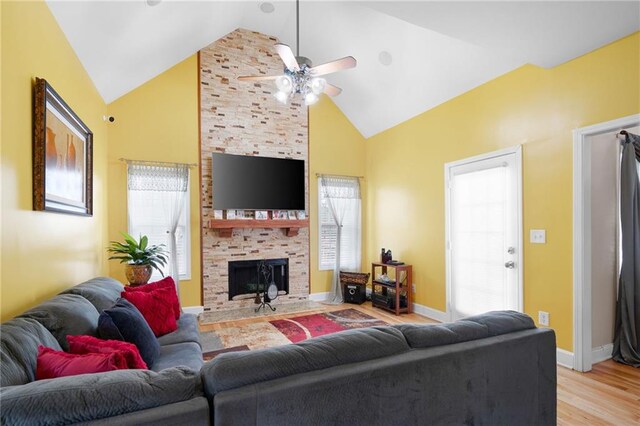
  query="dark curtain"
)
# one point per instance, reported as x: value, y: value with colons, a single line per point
x: 626, y: 343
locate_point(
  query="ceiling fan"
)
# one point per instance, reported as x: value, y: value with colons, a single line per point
x: 300, y: 76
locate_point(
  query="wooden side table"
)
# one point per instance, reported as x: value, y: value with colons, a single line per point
x: 388, y: 294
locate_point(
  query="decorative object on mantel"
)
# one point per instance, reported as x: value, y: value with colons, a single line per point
x: 300, y: 76
x: 140, y: 258
x: 302, y: 214
x: 261, y: 215
x: 218, y: 214
x: 231, y: 214
x: 62, y: 155
x: 292, y: 215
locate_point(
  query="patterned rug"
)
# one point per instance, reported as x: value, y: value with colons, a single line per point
x: 282, y: 332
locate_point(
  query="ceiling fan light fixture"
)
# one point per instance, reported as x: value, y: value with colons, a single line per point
x: 317, y: 85
x: 310, y: 99
x: 284, y: 83
x: 281, y: 97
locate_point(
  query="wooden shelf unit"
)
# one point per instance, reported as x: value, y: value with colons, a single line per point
x: 403, y: 273
x: 225, y: 227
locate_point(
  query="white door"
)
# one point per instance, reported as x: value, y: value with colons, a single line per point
x: 484, y: 233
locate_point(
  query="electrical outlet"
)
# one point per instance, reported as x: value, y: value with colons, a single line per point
x: 543, y: 318
x: 538, y: 236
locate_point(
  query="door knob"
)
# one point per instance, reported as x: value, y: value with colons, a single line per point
x: 511, y: 250
x: 510, y: 264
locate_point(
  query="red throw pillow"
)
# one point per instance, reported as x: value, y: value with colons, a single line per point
x: 52, y: 363
x: 166, y: 282
x: 92, y: 345
x: 155, y: 308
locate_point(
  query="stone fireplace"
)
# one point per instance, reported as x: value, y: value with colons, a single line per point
x: 243, y: 118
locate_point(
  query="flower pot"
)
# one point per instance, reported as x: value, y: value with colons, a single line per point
x: 138, y: 274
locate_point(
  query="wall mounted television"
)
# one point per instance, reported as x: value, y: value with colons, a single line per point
x: 257, y: 183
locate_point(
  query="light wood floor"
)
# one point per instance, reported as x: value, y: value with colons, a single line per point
x: 607, y: 395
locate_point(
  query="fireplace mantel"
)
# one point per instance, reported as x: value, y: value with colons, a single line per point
x: 225, y: 227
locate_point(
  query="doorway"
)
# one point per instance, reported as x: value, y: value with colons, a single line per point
x: 595, y: 218
x: 484, y: 233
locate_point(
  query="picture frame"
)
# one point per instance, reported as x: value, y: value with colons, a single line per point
x: 240, y: 214
x: 261, y: 215
x: 62, y: 155
x: 280, y: 215
x: 292, y: 215
x: 231, y: 214
x: 217, y: 214
x: 301, y: 214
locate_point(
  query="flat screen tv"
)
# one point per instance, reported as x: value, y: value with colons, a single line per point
x: 257, y: 183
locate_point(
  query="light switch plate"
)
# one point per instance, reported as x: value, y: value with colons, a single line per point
x: 538, y: 236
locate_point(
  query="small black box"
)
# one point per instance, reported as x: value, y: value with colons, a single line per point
x: 354, y: 293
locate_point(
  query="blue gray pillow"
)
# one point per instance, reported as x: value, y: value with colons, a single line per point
x: 124, y: 321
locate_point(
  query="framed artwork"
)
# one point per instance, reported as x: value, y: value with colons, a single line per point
x: 217, y: 214
x: 231, y: 214
x: 262, y: 214
x: 301, y: 214
x: 62, y: 155
x: 292, y: 214
x: 240, y: 214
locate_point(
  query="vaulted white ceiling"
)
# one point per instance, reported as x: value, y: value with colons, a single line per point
x: 439, y: 50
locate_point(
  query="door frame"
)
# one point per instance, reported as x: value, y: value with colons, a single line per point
x: 582, y: 317
x: 517, y: 150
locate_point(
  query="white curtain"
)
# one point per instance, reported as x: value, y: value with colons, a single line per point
x: 343, y: 198
x: 157, y: 188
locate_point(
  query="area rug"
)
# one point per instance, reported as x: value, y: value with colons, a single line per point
x: 267, y: 334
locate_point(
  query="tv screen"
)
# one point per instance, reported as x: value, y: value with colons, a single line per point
x: 257, y: 183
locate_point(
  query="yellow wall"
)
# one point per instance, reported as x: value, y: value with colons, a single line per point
x: 531, y: 106
x: 44, y: 253
x: 158, y: 121
x: 335, y: 147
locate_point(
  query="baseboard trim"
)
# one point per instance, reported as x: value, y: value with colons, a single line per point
x: 430, y: 313
x: 319, y: 297
x: 564, y: 358
x: 196, y: 310
x: 601, y: 353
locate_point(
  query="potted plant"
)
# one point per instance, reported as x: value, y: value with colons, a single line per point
x: 140, y: 257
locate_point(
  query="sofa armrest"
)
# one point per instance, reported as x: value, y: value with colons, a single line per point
x: 88, y: 397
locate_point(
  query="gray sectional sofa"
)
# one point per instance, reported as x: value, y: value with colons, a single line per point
x: 169, y: 393
x: 493, y: 369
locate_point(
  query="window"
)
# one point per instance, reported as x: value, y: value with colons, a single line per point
x: 342, y: 195
x: 156, y: 196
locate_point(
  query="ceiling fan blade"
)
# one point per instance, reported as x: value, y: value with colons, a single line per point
x: 257, y: 77
x: 287, y: 56
x: 334, y: 66
x: 332, y: 90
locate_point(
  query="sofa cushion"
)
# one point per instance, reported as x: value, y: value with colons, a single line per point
x: 156, y: 307
x: 102, y: 292
x: 186, y: 354
x: 428, y: 335
x: 503, y: 322
x: 235, y: 369
x: 89, y: 344
x: 65, y: 314
x: 53, y: 364
x: 124, y: 322
x: 19, y: 341
x: 187, y: 331
x: 94, y: 396
x: 166, y: 282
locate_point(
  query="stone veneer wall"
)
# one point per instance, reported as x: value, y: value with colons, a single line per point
x: 244, y: 118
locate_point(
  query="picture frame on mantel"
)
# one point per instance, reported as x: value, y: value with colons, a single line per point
x: 62, y: 155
